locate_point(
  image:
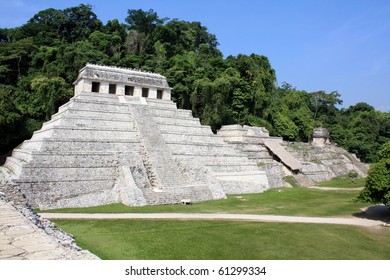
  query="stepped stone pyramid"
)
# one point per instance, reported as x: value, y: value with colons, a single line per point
x: 307, y: 162
x: 121, y: 139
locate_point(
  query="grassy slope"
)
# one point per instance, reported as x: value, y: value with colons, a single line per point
x: 287, y: 201
x: 158, y: 239
x: 343, y: 183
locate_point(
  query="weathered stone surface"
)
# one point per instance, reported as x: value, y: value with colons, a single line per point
x: 308, y: 163
x: 102, y: 148
x: 28, y: 237
x: 325, y: 162
x: 320, y: 137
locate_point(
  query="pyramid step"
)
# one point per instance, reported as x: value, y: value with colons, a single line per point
x: 193, y: 138
x: 22, y: 154
x: 176, y: 194
x: 201, y: 155
x: 213, y: 159
x: 258, y: 155
x: 176, y: 121
x: 171, y: 113
x: 188, y: 129
x: 159, y: 103
x: 232, y: 182
x: 67, y: 159
x: 233, y: 167
x: 81, y: 113
x: 203, y: 148
x: 73, y: 193
x: 92, y: 96
x: 94, y: 106
x: 74, y: 145
x: 253, y: 148
x: 85, y: 133
x: 92, y: 122
x: 14, y: 165
x: 48, y: 174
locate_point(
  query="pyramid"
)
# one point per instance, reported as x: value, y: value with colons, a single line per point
x: 121, y: 139
x: 308, y: 163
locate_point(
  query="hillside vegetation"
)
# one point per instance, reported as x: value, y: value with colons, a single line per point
x: 40, y: 59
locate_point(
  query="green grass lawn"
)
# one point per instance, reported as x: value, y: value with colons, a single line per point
x: 286, y: 201
x: 341, y: 182
x: 204, y: 240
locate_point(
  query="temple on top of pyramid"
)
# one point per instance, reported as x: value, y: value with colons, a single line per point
x: 122, y: 81
x: 120, y: 139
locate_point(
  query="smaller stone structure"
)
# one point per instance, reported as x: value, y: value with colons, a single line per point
x: 307, y: 162
x: 320, y: 137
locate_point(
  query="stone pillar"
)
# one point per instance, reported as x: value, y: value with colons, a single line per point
x: 104, y: 87
x: 137, y: 91
x: 166, y: 94
x: 152, y: 93
x: 83, y: 86
x: 87, y: 86
x: 120, y: 89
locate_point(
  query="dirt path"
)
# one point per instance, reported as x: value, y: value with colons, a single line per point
x: 233, y: 217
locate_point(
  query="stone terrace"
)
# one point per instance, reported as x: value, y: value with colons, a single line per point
x: 121, y: 140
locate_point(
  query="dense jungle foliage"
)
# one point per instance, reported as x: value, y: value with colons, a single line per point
x: 40, y: 59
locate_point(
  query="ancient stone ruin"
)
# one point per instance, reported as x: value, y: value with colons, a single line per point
x: 320, y: 137
x: 121, y: 139
x: 307, y: 162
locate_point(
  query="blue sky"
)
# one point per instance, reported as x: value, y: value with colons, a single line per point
x: 313, y: 45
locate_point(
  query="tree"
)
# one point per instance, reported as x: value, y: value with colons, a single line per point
x: 46, y: 96
x: 285, y: 127
x: 377, y: 186
x: 141, y: 26
x: 79, y: 23
x: 44, y: 27
x: 361, y: 130
x: 14, y: 57
x: 324, y: 103
x: 9, y: 117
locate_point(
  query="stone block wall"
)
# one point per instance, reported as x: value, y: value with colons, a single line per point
x: 106, y: 147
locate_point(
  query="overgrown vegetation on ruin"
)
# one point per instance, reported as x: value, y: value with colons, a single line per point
x: 40, y: 60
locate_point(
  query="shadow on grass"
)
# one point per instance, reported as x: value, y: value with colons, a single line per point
x: 376, y: 212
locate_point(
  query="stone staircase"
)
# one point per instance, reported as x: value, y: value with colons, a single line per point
x: 159, y: 156
x: 194, y: 144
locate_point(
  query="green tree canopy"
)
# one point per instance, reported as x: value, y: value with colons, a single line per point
x: 377, y: 187
x: 40, y: 60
